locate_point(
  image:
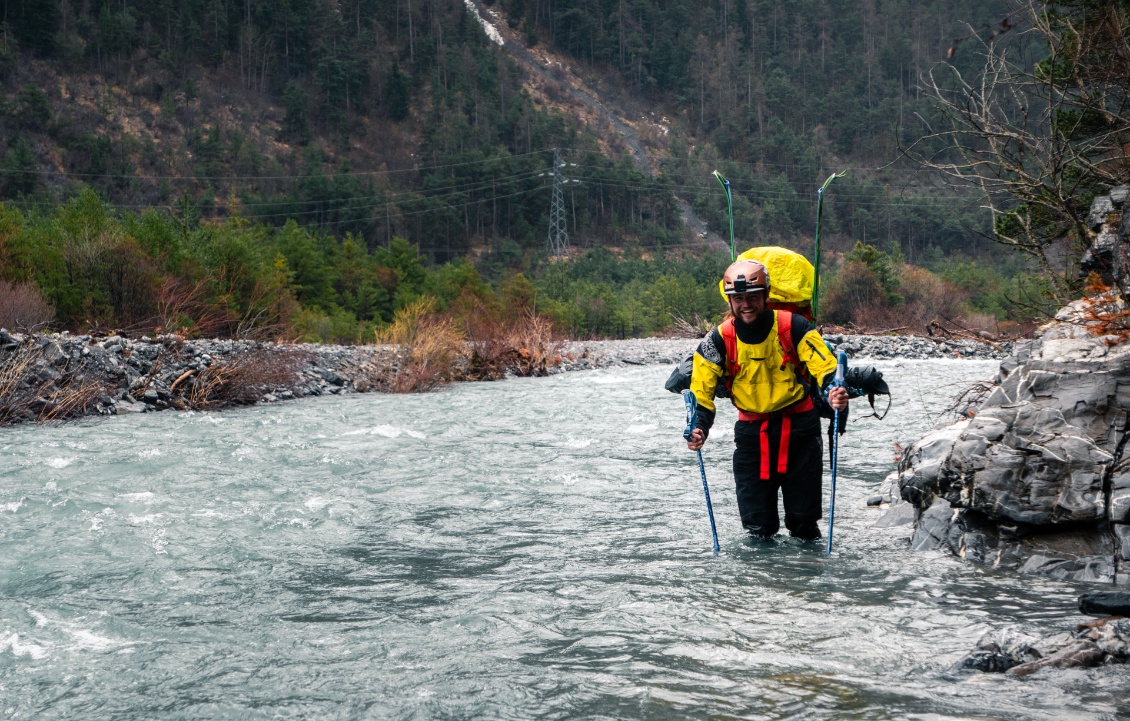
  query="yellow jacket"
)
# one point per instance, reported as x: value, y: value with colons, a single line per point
x: 764, y: 382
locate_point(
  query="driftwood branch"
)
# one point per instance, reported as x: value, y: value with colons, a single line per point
x: 180, y: 378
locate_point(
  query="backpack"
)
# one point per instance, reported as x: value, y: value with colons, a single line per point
x: 790, y: 290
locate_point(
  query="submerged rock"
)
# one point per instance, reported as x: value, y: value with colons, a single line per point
x: 1105, y: 603
x: 998, y: 651
x: 1080, y: 652
x: 1105, y: 641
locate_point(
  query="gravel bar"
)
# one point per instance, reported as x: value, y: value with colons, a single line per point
x: 585, y: 355
x: 151, y: 374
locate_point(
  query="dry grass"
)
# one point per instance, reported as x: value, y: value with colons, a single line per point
x: 27, y: 393
x: 432, y: 347
x: 487, y: 344
x: 239, y: 379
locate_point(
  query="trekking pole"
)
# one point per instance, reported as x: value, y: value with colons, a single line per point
x: 730, y: 210
x: 816, y: 252
x: 692, y: 414
x: 837, y: 382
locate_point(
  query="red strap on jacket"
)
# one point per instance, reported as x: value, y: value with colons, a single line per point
x: 804, y: 404
x: 785, y: 337
x: 730, y: 338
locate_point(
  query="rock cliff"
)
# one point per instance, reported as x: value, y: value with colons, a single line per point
x: 1036, y: 479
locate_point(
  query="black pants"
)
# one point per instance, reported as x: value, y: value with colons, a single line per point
x: 800, y: 485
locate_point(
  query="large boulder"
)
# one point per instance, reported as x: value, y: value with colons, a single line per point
x: 1037, y: 480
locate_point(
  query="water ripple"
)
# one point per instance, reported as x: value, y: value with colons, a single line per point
x: 529, y: 548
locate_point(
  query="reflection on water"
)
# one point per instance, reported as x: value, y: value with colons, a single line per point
x: 527, y: 548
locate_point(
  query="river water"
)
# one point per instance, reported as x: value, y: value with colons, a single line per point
x: 532, y: 548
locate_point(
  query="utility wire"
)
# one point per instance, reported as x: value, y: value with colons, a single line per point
x: 785, y: 196
x: 381, y: 203
x: 398, y: 214
x: 422, y: 168
x: 400, y: 198
x: 351, y: 174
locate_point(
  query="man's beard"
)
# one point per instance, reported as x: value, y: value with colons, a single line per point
x: 756, y: 319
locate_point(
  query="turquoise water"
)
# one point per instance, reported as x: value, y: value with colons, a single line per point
x: 533, y: 548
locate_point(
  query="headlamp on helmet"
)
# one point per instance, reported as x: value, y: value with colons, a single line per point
x: 745, y: 276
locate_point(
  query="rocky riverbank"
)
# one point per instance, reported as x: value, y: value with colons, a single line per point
x: 1037, y: 479
x: 54, y: 376
x: 582, y: 355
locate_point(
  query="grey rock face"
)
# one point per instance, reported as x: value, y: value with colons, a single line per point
x: 1109, y: 254
x: 1037, y: 480
x: 1030, y: 482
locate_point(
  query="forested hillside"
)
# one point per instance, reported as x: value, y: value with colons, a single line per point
x: 367, y: 120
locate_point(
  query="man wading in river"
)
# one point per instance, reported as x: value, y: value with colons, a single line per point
x: 766, y: 357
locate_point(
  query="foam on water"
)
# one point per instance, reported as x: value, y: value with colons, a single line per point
x: 30, y: 650
x: 387, y: 432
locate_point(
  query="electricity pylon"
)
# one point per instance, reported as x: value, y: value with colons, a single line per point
x: 558, y: 234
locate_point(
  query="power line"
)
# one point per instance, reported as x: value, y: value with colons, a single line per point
x: 405, y: 197
x: 356, y: 174
x: 392, y: 214
x: 709, y: 162
x: 779, y: 195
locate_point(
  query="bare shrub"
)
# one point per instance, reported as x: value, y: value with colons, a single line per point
x: 119, y: 274
x: 73, y: 396
x: 489, y: 346
x: 925, y: 297
x: 185, y: 309
x: 18, y: 388
x: 537, y: 345
x: 969, y: 399
x: 241, y: 378
x: 856, y: 297
x: 526, y: 345
x: 270, y: 312
x: 22, y: 307
x: 854, y: 291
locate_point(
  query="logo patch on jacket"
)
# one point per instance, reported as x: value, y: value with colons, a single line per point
x: 709, y: 351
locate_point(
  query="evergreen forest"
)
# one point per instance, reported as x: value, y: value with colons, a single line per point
x: 323, y: 163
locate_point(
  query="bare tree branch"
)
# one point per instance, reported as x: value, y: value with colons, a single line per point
x: 1039, y: 139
